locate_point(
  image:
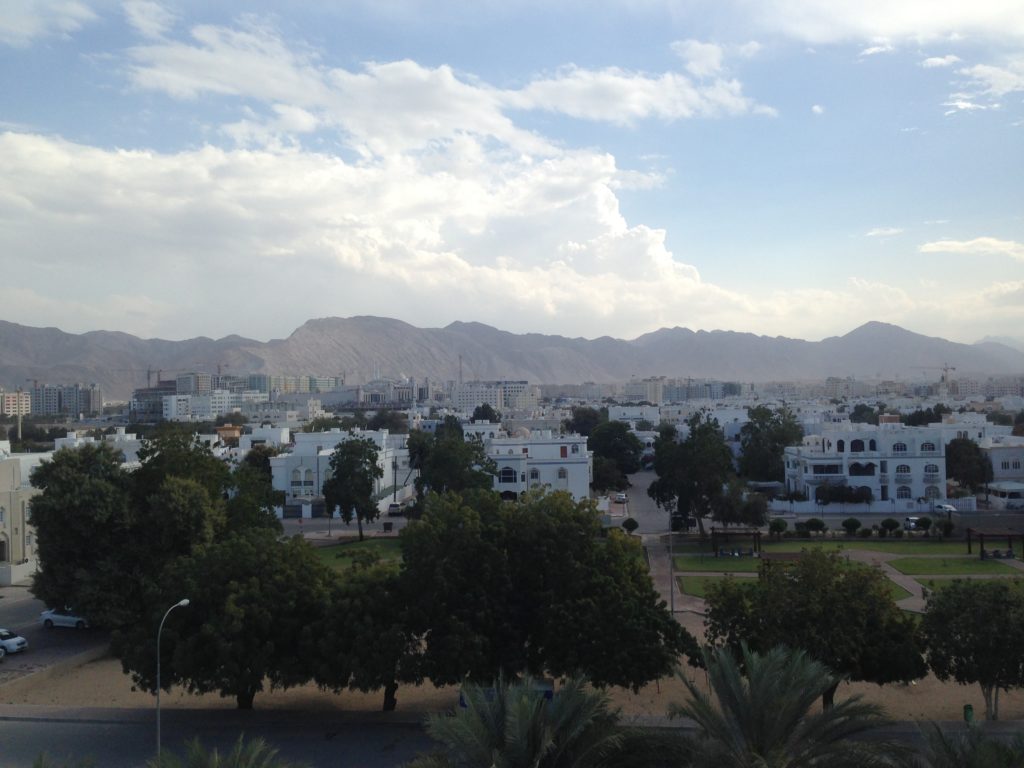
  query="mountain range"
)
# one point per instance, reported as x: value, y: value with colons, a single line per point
x: 362, y: 347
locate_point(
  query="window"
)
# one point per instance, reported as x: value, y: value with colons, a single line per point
x: 857, y: 446
x: 840, y: 445
x: 931, y: 469
x: 872, y: 445
x: 927, y: 446
x: 534, y: 474
x: 575, y: 447
x: 507, y: 475
x: 563, y: 474
x: 564, y: 452
x: 903, y: 469
x: 1016, y: 463
x: 931, y: 492
x: 903, y: 492
x: 899, y: 447
x: 1006, y: 465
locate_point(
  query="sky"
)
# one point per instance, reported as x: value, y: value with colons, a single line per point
x: 584, y: 168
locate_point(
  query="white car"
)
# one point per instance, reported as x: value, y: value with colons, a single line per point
x: 11, y: 643
x: 62, y: 617
x: 621, y: 498
x: 945, y: 508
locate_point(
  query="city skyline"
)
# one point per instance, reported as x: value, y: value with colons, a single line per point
x: 794, y: 167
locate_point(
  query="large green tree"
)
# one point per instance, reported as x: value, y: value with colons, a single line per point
x: 449, y: 462
x: 614, y: 441
x: 762, y: 716
x: 763, y: 439
x: 693, y: 473
x: 485, y: 412
x: 840, y: 614
x: 84, y: 532
x: 974, y: 631
x: 176, y: 451
x: 585, y: 420
x: 967, y: 464
x: 254, y: 601
x: 354, y: 471
x: 533, y: 587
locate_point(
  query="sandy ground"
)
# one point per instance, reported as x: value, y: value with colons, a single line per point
x: 102, y: 684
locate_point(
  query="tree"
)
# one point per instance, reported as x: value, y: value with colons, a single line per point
x: 83, y: 527
x: 973, y: 748
x: 451, y: 463
x: 840, y: 614
x: 691, y: 474
x: 254, y: 753
x: 258, y: 457
x: 967, y: 464
x: 974, y: 631
x: 629, y: 525
x: 349, y: 488
x: 922, y: 417
x: 863, y: 413
x: 533, y: 587
x: 613, y: 440
x: 176, y: 452
x: 510, y: 724
x: 764, y: 719
x: 777, y: 526
x: 252, y: 499
x: 327, y: 423
x: 763, y: 439
x: 485, y: 413
x: 738, y: 507
x: 395, y: 422
x: 851, y: 525
x: 253, y: 603
x: 584, y: 420
x: 607, y: 476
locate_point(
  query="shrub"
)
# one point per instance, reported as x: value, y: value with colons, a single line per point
x: 890, y: 524
x: 898, y: 533
x: 778, y: 526
x: 865, y: 533
x: 852, y: 525
x: 630, y: 525
x: 924, y: 524
x: 815, y: 525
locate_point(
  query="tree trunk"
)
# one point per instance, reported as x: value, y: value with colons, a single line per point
x: 244, y: 699
x: 359, y: 522
x: 986, y: 692
x: 390, y: 702
x: 828, y: 697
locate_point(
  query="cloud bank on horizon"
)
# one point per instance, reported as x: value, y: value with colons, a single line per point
x: 786, y: 167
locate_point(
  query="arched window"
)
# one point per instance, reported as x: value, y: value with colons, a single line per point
x: 296, y: 476
x: 534, y: 474
x: 563, y: 474
x: 931, y: 469
x: 931, y: 492
x: 872, y: 445
x: 899, y: 447
x: 903, y: 469
x: 856, y: 446
x: 927, y: 446
x: 507, y: 475
x: 903, y: 492
x: 840, y: 445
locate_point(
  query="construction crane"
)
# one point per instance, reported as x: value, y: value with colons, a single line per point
x: 945, y: 368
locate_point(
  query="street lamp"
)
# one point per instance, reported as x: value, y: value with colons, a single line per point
x: 179, y: 604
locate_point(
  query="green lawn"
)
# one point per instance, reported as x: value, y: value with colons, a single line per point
x: 889, y: 546
x: 698, y: 586
x: 710, y: 563
x: 339, y: 556
x: 942, y: 583
x: 963, y: 566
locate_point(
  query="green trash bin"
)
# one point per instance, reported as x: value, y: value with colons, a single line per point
x: 968, y: 713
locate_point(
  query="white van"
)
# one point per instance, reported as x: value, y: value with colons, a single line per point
x: 910, y: 523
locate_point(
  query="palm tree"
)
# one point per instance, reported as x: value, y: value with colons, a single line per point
x: 764, y: 719
x: 255, y: 753
x: 972, y: 748
x: 513, y: 725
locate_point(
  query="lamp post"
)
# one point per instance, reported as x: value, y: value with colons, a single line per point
x: 394, y: 479
x: 179, y: 604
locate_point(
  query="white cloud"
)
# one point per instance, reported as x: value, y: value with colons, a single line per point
x: 701, y: 59
x: 940, y: 61
x: 880, y: 46
x: 883, y: 232
x: 818, y: 109
x: 150, y: 19
x: 977, y: 245
x: 997, y: 81
x: 22, y: 22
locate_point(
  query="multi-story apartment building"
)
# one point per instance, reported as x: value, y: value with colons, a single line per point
x: 16, y: 403
x: 194, y: 383
x: 65, y: 399
x: 891, y: 461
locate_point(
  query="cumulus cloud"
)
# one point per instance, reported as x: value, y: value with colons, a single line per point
x: 880, y: 46
x: 22, y: 22
x: 701, y: 59
x: 981, y: 245
x: 818, y: 109
x: 940, y: 61
x: 883, y: 232
x: 997, y: 81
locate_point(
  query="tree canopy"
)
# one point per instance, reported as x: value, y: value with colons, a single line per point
x: 615, y: 442
x: 840, y: 614
x: 584, y: 420
x: 763, y: 439
x: 974, y: 631
x: 349, y: 488
x: 485, y: 412
x: 967, y: 463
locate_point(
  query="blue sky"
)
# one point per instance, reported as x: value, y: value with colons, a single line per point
x: 783, y: 167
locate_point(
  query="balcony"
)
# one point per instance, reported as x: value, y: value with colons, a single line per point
x: 931, y: 478
x: 904, y: 479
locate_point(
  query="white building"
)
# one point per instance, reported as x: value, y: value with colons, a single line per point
x: 559, y: 462
x: 17, y: 545
x: 892, y: 461
x: 1007, y: 456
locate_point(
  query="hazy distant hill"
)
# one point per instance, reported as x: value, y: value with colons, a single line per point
x: 1014, y: 342
x: 361, y: 346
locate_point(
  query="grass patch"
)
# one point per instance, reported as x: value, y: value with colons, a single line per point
x: 920, y: 546
x: 339, y: 556
x: 954, y: 566
x: 697, y: 586
x: 714, y: 564
x: 934, y: 585
x: 896, y: 592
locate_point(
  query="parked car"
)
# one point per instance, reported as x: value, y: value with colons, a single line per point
x: 621, y: 498
x: 395, y: 510
x: 11, y: 643
x: 910, y: 523
x: 945, y: 508
x: 62, y: 617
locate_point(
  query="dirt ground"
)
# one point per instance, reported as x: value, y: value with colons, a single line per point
x: 102, y: 684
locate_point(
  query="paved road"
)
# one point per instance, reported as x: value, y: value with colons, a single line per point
x: 110, y: 738
x: 642, y: 508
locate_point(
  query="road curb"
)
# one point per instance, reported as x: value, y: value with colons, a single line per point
x: 21, y: 684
